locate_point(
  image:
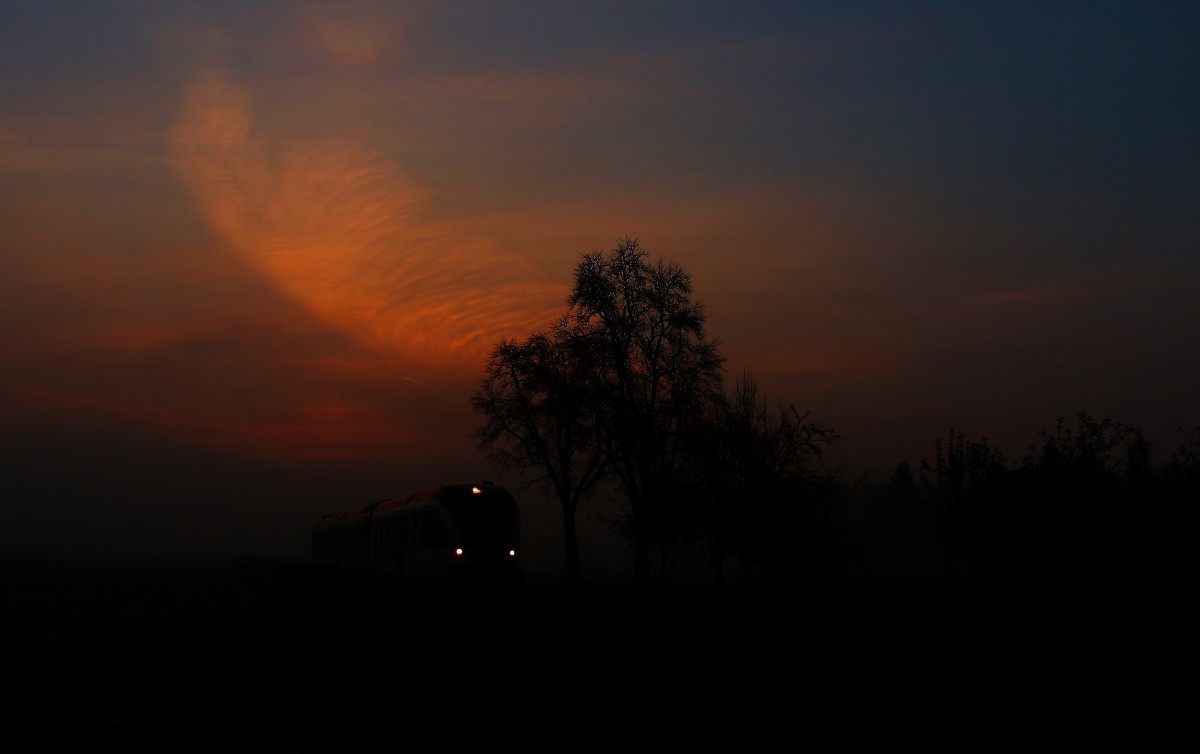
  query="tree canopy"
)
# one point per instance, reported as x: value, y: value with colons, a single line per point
x: 627, y: 386
x: 537, y: 418
x: 655, y: 371
x: 611, y: 389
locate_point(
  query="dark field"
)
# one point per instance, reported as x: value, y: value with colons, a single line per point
x: 263, y: 657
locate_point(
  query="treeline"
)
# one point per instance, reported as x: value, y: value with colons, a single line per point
x: 626, y: 390
x: 1087, y: 501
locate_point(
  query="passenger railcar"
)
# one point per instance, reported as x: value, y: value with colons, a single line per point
x: 450, y: 531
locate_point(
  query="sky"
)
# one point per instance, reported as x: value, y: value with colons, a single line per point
x: 253, y: 255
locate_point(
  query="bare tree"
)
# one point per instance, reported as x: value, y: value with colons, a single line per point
x: 967, y: 483
x: 1076, y: 481
x: 824, y: 498
x: 1159, y: 518
x: 654, y: 371
x: 1180, y: 518
x: 536, y: 418
x: 754, y: 470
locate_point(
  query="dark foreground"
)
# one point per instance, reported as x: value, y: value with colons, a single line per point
x: 277, y: 658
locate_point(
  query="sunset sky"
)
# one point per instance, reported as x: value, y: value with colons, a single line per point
x: 253, y: 255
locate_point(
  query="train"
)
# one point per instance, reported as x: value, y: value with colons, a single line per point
x: 460, y: 532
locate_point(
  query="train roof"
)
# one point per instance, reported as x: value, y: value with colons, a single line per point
x: 331, y: 519
x: 447, y: 493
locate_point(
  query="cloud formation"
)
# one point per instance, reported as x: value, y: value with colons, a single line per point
x: 339, y: 229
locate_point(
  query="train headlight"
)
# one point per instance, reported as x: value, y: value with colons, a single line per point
x: 458, y: 551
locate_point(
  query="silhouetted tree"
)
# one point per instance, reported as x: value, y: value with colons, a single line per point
x: 903, y: 483
x: 1075, y: 481
x: 536, y: 418
x: 1160, y: 514
x: 1180, y: 519
x: 826, y: 498
x: 967, y: 482
x: 654, y: 371
x: 751, y: 471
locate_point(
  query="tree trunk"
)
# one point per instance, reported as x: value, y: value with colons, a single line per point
x: 718, y: 569
x: 814, y: 574
x: 748, y: 583
x: 642, y: 577
x: 571, y: 543
x: 978, y: 571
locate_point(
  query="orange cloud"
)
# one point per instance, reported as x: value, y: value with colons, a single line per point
x: 338, y: 229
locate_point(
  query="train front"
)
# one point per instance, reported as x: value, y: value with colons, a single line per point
x: 488, y: 523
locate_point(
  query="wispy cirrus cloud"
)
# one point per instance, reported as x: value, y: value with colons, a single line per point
x: 339, y: 229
